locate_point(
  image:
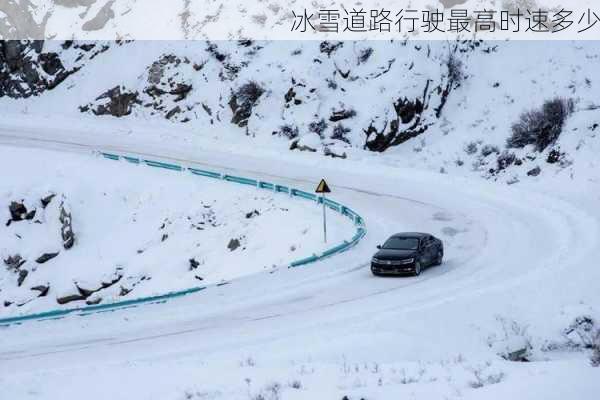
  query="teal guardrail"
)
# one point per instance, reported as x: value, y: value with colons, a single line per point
x: 159, y: 164
x: 240, y: 180
x: 201, y: 172
x: 87, y: 310
x: 92, y: 309
x: 132, y: 160
x: 266, y: 185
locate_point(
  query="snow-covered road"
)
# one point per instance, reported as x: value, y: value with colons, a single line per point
x: 510, y: 253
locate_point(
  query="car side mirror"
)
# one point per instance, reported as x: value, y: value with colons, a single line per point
x: 379, y: 246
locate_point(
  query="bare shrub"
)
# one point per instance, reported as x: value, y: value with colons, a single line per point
x: 582, y: 334
x: 483, y: 378
x: 455, y: 67
x: 471, y: 148
x: 288, y: 131
x: 364, y: 55
x: 269, y: 392
x: 340, y: 132
x: 541, y: 127
x: 318, y: 127
x: 505, y: 160
x: 488, y: 149
x: 295, y: 384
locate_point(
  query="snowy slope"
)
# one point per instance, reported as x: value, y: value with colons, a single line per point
x: 139, y: 232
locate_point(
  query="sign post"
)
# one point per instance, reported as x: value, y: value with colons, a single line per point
x: 323, y: 188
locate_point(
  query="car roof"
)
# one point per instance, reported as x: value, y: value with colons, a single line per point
x: 418, y: 235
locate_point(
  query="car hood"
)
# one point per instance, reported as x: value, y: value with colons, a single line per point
x: 389, y: 254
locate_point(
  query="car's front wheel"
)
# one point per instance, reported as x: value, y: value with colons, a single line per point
x: 417, y: 268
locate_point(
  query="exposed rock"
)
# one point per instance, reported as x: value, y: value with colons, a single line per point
x: 14, y: 262
x: 45, y: 257
x: 554, y: 156
x: 116, y: 279
x: 243, y: 100
x: 296, y: 146
x: 69, y: 298
x: 342, y: 115
x: 328, y: 152
x: 43, y: 289
x: 252, y: 214
x: 173, y: 112
x: 534, y: 172
x: 51, y: 63
x: 290, y: 95
x: 330, y: 47
x: 181, y: 91
x: 22, y: 275
x: 193, y: 264
x: 93, y: 301
x: 116, y: 102
x: 124, y: 291
x: 233, y: 244
x: 86, y: 292
x: 66, y: 230
x: 18, y: 211
x: 46, y: 200
x: 408, y: 112
x: 30, y: 215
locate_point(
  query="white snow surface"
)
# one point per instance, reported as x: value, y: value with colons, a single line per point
x: 520, y: 263
x: 143, y: 226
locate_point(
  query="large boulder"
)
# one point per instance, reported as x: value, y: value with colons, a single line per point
x: 18, y: 211
x: 117, y: 102
x: 243, y: 100
x: 69, y: 298
x: 46, y: 257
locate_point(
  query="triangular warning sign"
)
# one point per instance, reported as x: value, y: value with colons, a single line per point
x: 323, y: 187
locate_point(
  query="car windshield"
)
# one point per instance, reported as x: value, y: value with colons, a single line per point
x: 401, y: 243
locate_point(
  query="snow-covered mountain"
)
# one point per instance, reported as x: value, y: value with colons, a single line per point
x: 442, y: 106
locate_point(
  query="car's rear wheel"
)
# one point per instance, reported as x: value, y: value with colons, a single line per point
x: 418, y: 268
x: 438, y: 258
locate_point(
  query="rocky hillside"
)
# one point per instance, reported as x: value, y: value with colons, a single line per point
x: 483, y: 107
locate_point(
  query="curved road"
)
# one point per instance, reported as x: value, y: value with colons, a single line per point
x: 505, y: 250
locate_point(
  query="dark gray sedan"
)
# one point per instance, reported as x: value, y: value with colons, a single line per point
x: 407, y: 254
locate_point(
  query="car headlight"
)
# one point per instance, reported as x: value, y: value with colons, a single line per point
x: 375, y: 260
x: 407, y: 261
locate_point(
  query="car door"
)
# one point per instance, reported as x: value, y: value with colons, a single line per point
x: 424, y: 251
x: 429, y: 252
